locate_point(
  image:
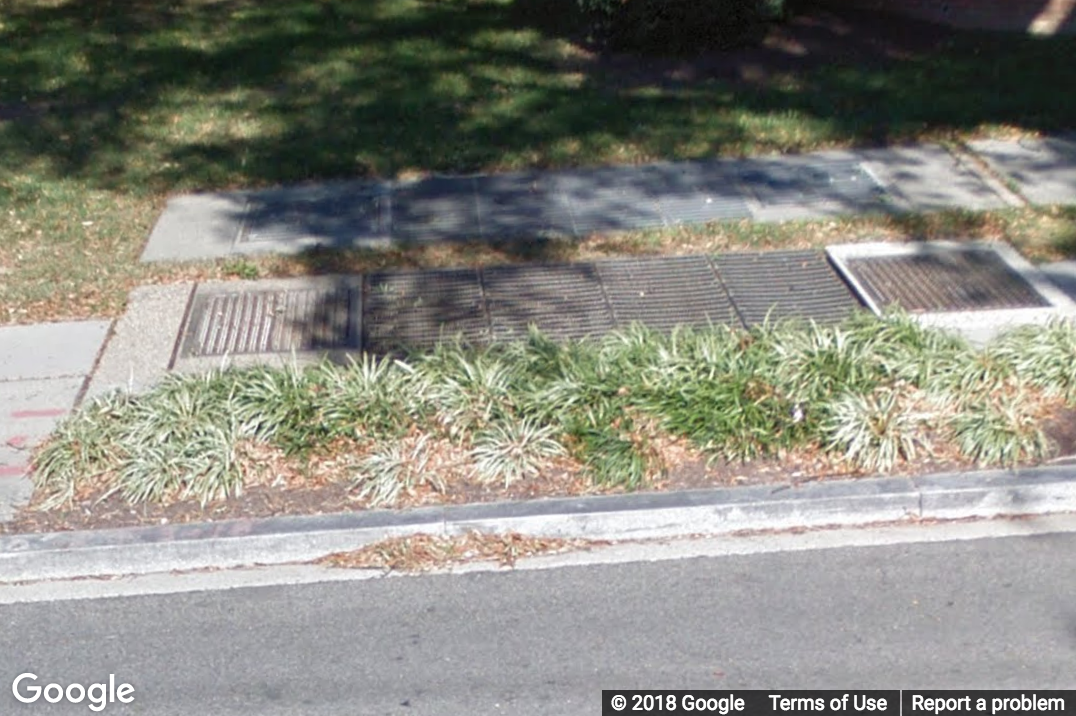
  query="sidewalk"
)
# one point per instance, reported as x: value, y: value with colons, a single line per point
x: 573, y: 203
x: 576, y: 203
x: 46, y: 369
x: 43, y: 370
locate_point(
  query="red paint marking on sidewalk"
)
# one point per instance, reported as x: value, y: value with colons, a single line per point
x: 48, y: 413
x: 14, y: 470
x: 18, y: 441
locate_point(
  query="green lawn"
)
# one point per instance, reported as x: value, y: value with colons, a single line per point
x: 108, y: 106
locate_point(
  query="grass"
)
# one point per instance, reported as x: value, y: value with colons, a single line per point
x: 108, y: 107
x: 874, y: 393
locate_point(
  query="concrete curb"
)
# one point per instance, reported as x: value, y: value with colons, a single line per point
x: 279, y: 540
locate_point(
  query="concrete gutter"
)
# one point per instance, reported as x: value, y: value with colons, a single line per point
x: 280, y: 540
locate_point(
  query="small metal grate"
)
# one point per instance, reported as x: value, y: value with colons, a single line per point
x: 836, y: 181
x: 417, y: 309
x: 512, y: 205
x: 666, y: 292
x: 337, y: 220
x: 280, y: 321
x: 608, y: 199
x: 785, y: 284
x: 436, y: 209
x: 564, y: 301
x: 971, y: 279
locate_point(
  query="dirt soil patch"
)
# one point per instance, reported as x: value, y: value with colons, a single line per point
x: 812, y: 38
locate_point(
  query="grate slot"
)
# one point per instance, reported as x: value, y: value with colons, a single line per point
x: 784, y: 285
x: 666, y: 292
x: 418, y: 309
x: 273, y: 321
x: 564, y: 301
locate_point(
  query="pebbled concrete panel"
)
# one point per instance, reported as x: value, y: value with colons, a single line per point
x: 140, y: 350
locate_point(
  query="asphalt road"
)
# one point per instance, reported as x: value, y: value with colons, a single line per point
x: 988, y: 613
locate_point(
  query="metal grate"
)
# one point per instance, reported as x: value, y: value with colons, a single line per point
x: 944, y: 280
x: 277, y: 321
x: 835, y: 181
x: 697, y: 192
x: 608, y: 199
x: 564, y: 301
x: 785, y: 284
x: 436, y: 209
x: 337, y: 219
x: 417, y: 309
x: 666, y: 292
x: 520, y: 205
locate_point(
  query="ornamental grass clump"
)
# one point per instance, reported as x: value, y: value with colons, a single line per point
x: 1044, y: 357
x: 514, y: 450
x: 871, y: 391
x: 730, y: 402
x: 392, y: 468
x: 1000, y: 430
x: 875, y: 431
x: 180, y: 441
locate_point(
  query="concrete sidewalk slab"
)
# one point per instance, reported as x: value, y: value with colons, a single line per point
x: 931, y: 178
x: 1044, y: 169
x: 43, y: 368
x: 281, y: 540
x: 13, y: 459
x: 50, y: 350
x: 521, y: 205
x: 435, y: 209
x: 809, y: 186
x: 29, y: 409
x: 197, y: 226
x: 336, y: 215
x: 15, y: 491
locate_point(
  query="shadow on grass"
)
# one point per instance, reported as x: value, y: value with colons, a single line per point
x: 140, y: 95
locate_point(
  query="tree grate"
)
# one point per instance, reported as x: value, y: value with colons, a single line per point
x: 275, y: 321
x: 414, y: 310
x: 835, y: 181
x: 971, y: 279
x: 564, y: 301
x: 778, y: 285
x: 665, y: 292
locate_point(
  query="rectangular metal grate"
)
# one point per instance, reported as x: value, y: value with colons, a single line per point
x: 666, y: 292
x: 275, y: 321
x: 785, y: 284
x: 520, y: 205
x: 436, y: 209
x: 417, y: 309
x: 336, y: 220
x: 842, y: 181
x: 696, y: 192
x: 608, y: 199
x: 564, y: 301
x: 972, y: 279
